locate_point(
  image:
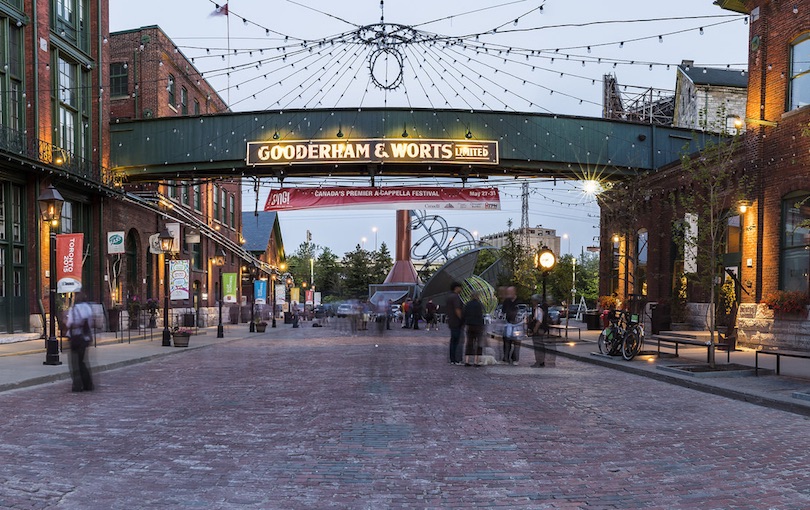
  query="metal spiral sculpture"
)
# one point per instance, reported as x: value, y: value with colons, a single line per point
x: 439, y: 240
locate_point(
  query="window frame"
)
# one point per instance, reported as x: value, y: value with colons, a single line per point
x: 803, y: 39
x: 787, y: 247
x: 119, y: 81
x: 171, y: 89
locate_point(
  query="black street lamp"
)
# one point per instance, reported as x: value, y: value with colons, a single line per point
x: 50, y: 209
x: 219, y: 260
x: 166, y: 243
x: 545, y: 260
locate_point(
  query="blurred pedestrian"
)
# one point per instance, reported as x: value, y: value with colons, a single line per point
x: 511, y: 345
x: 389, y: 314
x: 80, y: 335
x: 535, y: 328
x: 416, y: 312
x: 407, y: 316
x: 474, y: 321
x: 430, y: 315
x: 455, y: 308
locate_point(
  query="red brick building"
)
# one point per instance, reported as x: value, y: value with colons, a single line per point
x: 767, y: 240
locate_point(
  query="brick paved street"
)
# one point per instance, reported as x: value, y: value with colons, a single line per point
x: 287, y: 421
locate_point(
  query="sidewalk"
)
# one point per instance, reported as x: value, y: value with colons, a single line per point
x: 21, y: 363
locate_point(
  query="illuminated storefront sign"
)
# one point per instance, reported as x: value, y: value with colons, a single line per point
x: 460, y: 152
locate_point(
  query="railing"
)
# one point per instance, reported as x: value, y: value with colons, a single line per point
x: 19, y: 144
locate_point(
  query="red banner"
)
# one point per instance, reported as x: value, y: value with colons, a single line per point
x: 69, y: 250
x: 469, y: 199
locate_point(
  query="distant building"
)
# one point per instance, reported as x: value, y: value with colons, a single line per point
x: 708, y: 99
x: 538, y: 237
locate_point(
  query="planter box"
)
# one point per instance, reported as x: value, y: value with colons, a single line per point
x: 180, y: 340
x: 261, y: 328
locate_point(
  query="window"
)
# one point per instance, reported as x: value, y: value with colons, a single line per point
x: 795, y: 265
x: 196, y: 107
x: 119, y: 80
x: 183, y: 101
x: 215, y: 206
x: 73, y: 110
x: 66, y: 221
x: 231, y: 211
x: 197, y: 198
x: 170, y: 88
x: 800, y: 72
x: 11, y: 80
x: 640, y: 283
x: 734, y: 234
x: 70, y: 22
x: 185, y: 190
x: 223, y: 215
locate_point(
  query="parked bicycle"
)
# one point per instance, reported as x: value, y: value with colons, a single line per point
x: 610, y: 339
x: 624, y: 335
x: 633, y: 338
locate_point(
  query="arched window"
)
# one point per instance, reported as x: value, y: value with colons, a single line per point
x: 640, y: 278
x: 800, y: 72
x: 795, y: 253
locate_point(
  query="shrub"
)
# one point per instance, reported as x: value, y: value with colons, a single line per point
x: 787, y: 301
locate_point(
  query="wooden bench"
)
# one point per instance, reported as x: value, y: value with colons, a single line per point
x: 561, y: 327
x: 778, y: 354
x: 691, y: 340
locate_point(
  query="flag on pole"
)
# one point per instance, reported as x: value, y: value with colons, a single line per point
x: 220, y: 11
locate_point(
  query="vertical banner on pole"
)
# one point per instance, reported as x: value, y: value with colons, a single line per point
x: 281, y: 291
x: 310, y: 296
x: 295, y: 295
x: 229, y: 287
x: 179, y: 276
x: 69, y: 262
x: 260, y: 292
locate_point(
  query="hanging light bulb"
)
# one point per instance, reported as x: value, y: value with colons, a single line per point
x: 701, y: 30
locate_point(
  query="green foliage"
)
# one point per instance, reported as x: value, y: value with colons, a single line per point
x: 356, y: 271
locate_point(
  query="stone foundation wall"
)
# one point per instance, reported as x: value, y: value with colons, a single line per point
x: 757, y: 328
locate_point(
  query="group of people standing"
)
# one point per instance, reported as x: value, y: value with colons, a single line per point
x: 413, y: 311
x: 470, y: 315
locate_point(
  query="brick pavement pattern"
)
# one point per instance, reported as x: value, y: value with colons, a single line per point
x: 317, y: 418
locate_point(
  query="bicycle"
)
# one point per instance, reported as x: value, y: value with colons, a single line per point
x: 610, y: 339
x: 633, y: 338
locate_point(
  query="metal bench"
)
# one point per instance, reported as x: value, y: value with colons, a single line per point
x: 691, y: 340
x: 778, y: 354
x: 561, y: 327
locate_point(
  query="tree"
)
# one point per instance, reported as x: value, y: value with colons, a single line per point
x: 709, y: 198
x: 357, y: 269
x: 328, y: 274
x: 381, y: 264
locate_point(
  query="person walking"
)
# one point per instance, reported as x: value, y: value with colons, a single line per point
x: 80, y: 335
x: 430, y: 315
x: 474, y: 321
x: 511, y: 345
x: 416, y: 312
x: 406, y: 313
x: 455, y: 308
x: 535, y: 328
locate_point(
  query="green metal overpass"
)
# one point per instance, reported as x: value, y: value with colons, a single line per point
x: 529, y: 144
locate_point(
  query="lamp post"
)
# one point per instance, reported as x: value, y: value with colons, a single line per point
x: 545, y: 260
x: 166, y: 242
x: 273, y: 308
x: 50, y: 209
x: 374, y: 229
x: 219, y: 261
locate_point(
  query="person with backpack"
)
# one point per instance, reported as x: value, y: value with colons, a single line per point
x: 80, y: 334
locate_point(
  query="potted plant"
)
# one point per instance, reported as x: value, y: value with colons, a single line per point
x: 152, y: 307
x: 261, y: 326
x: 133, y: 309
x: 788, y: 303
x: 181, y: 336
x: 608, y: 302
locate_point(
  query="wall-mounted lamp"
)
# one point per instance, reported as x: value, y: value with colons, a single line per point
x: 744, y: 205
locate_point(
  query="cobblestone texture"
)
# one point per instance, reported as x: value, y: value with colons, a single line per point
x: 339, y: 421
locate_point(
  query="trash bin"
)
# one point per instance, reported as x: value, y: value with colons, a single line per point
x: 592, y: 320
x: 188, y: 320
x: 661, y: 317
